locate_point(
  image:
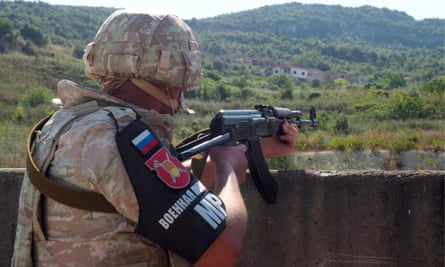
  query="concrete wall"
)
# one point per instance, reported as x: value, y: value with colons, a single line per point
x: 10, y: 181
x: 330, y: 219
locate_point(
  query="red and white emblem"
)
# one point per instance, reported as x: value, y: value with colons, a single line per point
x: 169, y: 169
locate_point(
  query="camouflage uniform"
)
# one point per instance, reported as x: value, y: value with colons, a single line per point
x: 77, y: 147
x: 86, y: 157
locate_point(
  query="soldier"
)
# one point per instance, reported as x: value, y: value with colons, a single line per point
x: 115, y: 144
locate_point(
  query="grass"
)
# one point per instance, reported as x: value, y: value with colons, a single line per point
x: 352, y: 117
x: 13, y: 144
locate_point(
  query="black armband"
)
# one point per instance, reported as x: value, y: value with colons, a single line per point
x: 175, y: 210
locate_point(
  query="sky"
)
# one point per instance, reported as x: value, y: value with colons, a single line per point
x: 187, y: 9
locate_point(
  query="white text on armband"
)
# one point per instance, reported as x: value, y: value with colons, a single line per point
x: 181, y: 204
x: 211, y: 209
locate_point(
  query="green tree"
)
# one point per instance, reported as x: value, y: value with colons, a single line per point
x: 223, y: 92
x: 436, y: 86
x: 281, y: 81
x: 6, y: 35
x: 78, y: 51
x: 315, y: 83
x: 287, y: 93
x: 29, y: 49
x: 34, y: 35
x: 394, y: 80
x: 212, y: 74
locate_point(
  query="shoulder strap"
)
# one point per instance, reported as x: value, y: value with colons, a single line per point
x: 86, y: 200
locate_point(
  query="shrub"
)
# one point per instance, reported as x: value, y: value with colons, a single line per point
x: 37, y: 96
x: 437, y: 144
x: 19, y: 114
x: 315, y: 83
x: 405, y: 143
x: 435, y: 86
x: 407, y: 107
x: 338, y: 144
x: 341, y: 125
x: 402, y: 107
x: 287, y: 93
x: 351, y: 143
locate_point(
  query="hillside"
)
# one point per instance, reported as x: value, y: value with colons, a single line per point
x: 368, y: 42
x: 63, y: 25
x: 325, y: 22
x: 364, y: 41
x: 399, y: 106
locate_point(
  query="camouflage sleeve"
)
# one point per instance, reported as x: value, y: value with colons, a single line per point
x: 102, y: 166
x: 87, y: 156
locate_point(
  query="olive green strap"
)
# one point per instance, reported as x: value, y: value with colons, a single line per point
x: 86, y: 200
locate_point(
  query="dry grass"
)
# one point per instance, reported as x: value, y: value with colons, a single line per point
x: 351, y: 119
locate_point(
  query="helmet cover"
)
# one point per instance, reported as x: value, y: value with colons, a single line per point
x: 159, y: 48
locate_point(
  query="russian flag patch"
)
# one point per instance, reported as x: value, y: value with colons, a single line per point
x: 145, y: 141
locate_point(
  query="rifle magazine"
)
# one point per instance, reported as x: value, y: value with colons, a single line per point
x: 265, y: 183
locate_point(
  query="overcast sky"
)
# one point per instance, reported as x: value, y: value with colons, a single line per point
x: 187, y: 9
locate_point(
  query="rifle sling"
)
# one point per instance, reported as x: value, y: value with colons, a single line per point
x: 80, y: 199
x: 262, y: 178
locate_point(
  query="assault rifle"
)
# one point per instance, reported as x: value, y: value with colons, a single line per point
x: 247, y: 126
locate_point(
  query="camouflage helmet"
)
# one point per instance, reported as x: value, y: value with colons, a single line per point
x: 159, y: 48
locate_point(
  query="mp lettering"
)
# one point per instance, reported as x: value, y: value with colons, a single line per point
x: 212, y: 210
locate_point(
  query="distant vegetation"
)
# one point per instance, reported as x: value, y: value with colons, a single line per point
x: 328, y: 23
x: 401, y: 106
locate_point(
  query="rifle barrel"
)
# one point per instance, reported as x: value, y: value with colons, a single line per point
x: 187, y: 153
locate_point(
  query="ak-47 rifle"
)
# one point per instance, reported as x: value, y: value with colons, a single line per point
x: 247, y: 126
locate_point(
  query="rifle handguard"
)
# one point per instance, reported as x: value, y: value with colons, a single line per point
x: 262, y: 178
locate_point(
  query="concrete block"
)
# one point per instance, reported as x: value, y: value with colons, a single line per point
x: 347, y: 218
x: 10, y: 182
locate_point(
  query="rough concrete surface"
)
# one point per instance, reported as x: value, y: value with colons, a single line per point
x: 329, y: 218
x: 360, y: 219
x: 10, y: 181
x: 370, y: 160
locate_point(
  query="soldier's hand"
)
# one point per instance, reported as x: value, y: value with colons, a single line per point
x: 281, y: 145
